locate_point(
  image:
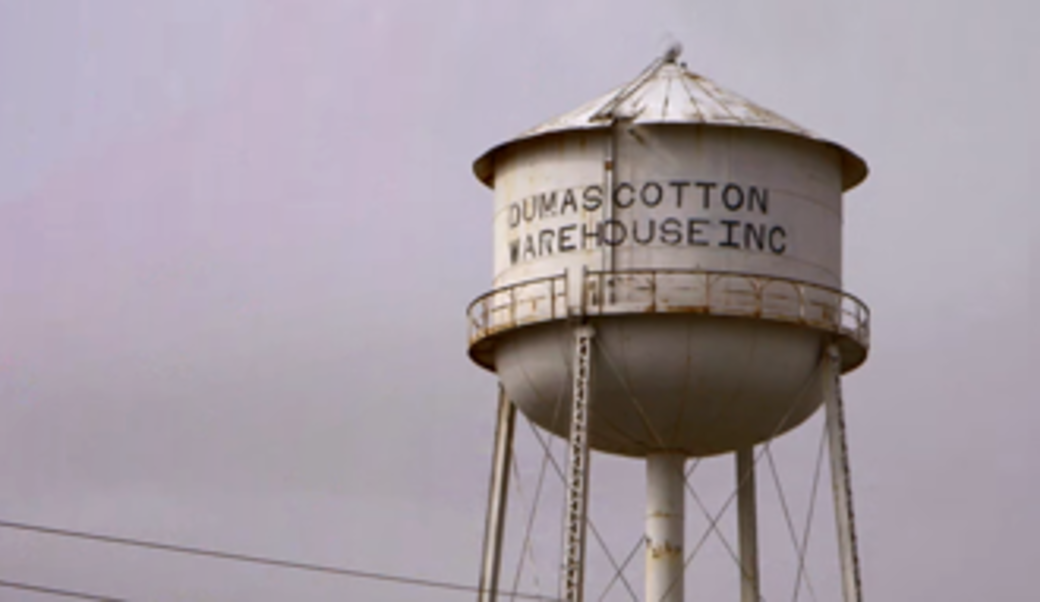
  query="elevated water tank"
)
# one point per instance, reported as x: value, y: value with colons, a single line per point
x: 699, y: 234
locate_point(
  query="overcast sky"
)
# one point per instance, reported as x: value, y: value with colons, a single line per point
x: 237, y: 240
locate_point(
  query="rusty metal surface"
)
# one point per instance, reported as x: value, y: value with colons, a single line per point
x: 665, y: 527
x: 668, y: 93
x: 670, y: 291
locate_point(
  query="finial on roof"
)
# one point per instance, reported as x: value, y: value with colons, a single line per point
x: 672, y: 53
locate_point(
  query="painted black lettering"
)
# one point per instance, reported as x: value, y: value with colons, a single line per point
x: 568, y: 201
x: 614, y: 233
x: 731, y: 225
x: 592, y: 198
x: 514, y: 251
x: 706, y: 192
x: 631, y: 195
x: 671, y: 231
x: 758, y: 196
x: 547, y: 204
x: 595, y: 235
x: 649, y: 233
x: 678, y: 185
x: 545, y: 242
x: 530, y: 209
x: 653, y: 197
x: 755, y: 236
x: 514, y: 215
x: 777, y: 247
x: 529, y: 250
x: 693, y: 232
x: 566, y: 244
x: 732, y: 197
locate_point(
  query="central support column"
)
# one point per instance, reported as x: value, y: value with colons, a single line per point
x: 747, y: 525
x: 665, y: 527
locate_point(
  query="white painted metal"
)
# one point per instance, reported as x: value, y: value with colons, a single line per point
x: 840, y: 479
x: 665, y: 527
x: 546, y: 212
x: 747, y: 525
x: 578, y: 469
x: 728, y: 199
x: 652, y: 181
x: 700, y: 235
x: 668, y: 93
x: 498, y: 496
x: 698, y: 385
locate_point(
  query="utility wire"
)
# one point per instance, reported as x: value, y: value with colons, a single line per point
x: 53, y: 591
x: 284, y: 564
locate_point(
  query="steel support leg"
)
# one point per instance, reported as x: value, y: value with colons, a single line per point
x: 665, y: 530
x: 747, y: 525
x: 578, y: 470
x: 498, y: 495
x: 840, y: 479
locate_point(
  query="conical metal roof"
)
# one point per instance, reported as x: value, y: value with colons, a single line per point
x: 668, y: 93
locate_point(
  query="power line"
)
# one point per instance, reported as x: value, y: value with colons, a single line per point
x: 271, y: 562
x: 64, y: 593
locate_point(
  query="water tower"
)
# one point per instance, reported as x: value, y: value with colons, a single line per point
x: 668, y: 285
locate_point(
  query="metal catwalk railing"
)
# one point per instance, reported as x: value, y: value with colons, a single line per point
x: 664, y: 291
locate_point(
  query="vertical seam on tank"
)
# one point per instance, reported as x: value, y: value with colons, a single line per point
x: 719, y: 408
x: 686, y: 380
x: 628, y: 393
x: 667, y: 97
x: 693, y: 100
x: 623, y: 373
x: 530, y: 383
x: 716, y: 100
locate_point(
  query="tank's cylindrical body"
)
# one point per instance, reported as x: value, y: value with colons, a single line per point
x: 725, y: 199
x: 707, y: 254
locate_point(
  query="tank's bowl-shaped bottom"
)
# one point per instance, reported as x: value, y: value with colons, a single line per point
x: 697, y: 384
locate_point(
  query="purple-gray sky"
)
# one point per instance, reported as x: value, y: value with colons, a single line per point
x: 237, y: 240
